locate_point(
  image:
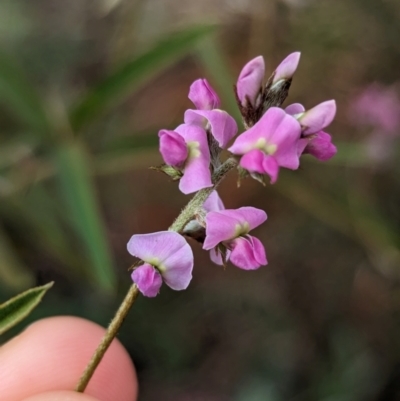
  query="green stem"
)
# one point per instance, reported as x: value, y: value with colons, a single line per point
x: 186, y: 215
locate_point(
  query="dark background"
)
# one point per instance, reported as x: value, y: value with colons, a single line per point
x: 84, y: 88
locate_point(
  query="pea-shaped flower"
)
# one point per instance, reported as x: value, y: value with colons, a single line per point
x: 313, y: 140
x: 166, y: 256
x: 229, y: 229
x: 271, y: 143
x: 186, y: 149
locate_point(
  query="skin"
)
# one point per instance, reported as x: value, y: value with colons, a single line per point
x: 45, y: 361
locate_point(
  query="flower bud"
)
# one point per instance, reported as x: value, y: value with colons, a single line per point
x: 321, y: 146
x: 203, y: 95
x: 250, y: 81
x: 173, y: 147
x: 286, y: 68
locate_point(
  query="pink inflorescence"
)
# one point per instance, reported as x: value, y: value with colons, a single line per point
x: 273, y: 138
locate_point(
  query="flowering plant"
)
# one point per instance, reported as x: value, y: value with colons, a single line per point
x: 271, y: 138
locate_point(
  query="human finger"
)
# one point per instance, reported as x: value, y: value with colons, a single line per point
x: 52, y: 353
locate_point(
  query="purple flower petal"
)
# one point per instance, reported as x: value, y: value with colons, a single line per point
x: 223, y: 126
x: 213, y: 203
x: 286, y: 68
x: 196, y: 173
x: 321, y: 146
x: 219, y: 227
x: 248, y: 253
x: 295, y: 108
x: 147, y: 279
x: 228, y: 224
x: 155, y: 248
x: 248, y: 215
x: 203, y: 95
x: 178, y: 268
x: 250, y: 81
x: 275, y: 128
x: 169, y: 252
x: 256, y: 161
x: 217, y: 258
x: 318, y: 117
x: 172, y: 148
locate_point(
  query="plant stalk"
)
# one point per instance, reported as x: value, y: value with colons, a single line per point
x: 178, y: 225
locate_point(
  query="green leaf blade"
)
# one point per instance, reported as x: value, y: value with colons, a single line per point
x: 18, y: 95
x: 19, y: 307
x: 134, y: 73
x: 81, y: 205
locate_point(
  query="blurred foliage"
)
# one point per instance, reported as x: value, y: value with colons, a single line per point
x: 84, y: 88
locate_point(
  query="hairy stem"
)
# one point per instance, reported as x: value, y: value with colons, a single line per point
x: 186, y: 215
x: 106, y: 341
x: 197, y: 201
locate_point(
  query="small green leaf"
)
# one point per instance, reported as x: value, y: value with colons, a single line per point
x: 135, y: 72
x: 18, y: 308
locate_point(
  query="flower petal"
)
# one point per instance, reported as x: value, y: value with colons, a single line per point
x: 256, y: 161
x: 287, y: 67
x: 228, y: 224
x: 216, y: 257
x: 178, y: 268
x: 321, y: 146
x: 295, y: 108
x: 196, y: 172
x: 249, y: 215
x: 203, y: 95
x: 220, y: 226
x: 213, y: 203
x: 156, y: 248
x: 223, y: 126
x: 318, y: 117
x: 248, y: 253
x: 271, y: 167
x: 275, y: 127
x: 172, y: 147
x: 250, y: 81
x: 147, y: 279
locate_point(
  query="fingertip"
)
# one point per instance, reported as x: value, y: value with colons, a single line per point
x: 61, y: 396
x: 51, y: 355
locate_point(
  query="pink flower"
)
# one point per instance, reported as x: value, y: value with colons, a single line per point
x: 166, y: 256
x: 229, y: 229
x: 203, y: 95
x: 271, y: 143
x: 187, y: 148
x: 313, y: 140
x: 222, y: 126
x: 249, y: 83
x: 315, y: 119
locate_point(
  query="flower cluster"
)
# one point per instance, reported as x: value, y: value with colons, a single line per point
x: 273, y: 138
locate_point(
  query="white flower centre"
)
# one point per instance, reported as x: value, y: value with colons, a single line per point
x: 194, y: 150
x: 242, y: 229
x: 268, y: 148
x: 156, y: 263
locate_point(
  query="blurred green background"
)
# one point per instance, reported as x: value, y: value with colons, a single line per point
x: 85, y: 85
